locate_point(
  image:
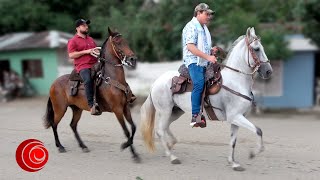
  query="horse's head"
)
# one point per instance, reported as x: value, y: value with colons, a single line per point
x: 256, y: 55
x: 119, y: 49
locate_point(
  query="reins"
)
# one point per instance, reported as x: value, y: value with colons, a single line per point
x: 255, y: 69
x: 118, y: 53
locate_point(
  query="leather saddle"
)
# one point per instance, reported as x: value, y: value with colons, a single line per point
x: 75, y: 79
x: 183, y: 83
x: 213, y: 79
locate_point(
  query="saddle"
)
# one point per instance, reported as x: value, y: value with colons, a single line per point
x: 183, y: 83
x: 75, y: 80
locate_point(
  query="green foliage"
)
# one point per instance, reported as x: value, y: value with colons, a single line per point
x: 278, y: 10
x: 274, y: 44
x: 19, y: 15
x: 234, y: 25
x: 311, y: 21
x: 154, y: 30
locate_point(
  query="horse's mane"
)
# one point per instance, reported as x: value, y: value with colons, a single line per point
x: 233, y: 45
x: 102, y: 51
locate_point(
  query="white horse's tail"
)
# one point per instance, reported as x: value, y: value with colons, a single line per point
x: 147, y: 123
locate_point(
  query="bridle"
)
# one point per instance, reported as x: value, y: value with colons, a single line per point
x: 256, y: 59
x: 255, y: 69
x: 122, y: 57
x: 253, y: 54
x: 117, y: 52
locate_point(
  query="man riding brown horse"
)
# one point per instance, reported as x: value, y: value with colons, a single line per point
x: 113, y: 92
x: 84, y: 51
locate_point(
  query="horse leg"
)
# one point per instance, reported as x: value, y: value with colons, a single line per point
x: 119, y: 114
x: 233, y: 141
x: 127, y: 115
x: 164, y: 122
x: 240, y: 120
x: 58, y: 114
x: 77, y: 112
x: 176, y: 114
x: 260, y: 144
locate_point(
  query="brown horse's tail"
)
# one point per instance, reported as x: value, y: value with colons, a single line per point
x: 147, y: 123
x: 49, y: 116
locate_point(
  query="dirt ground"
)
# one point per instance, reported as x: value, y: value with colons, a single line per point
x: 291, y: 141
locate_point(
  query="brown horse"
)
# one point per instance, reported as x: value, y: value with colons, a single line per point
x: 112, y: 93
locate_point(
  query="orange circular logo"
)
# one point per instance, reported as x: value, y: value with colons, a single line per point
x: 31, y: 155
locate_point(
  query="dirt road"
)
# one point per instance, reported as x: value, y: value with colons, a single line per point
x: 291, y: 140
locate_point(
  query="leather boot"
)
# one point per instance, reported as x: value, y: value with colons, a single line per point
x: 133, y: 98
x: 94, y: 111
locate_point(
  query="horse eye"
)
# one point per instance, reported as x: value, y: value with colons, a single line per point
x: 256, y: 49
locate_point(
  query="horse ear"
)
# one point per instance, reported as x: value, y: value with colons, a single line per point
x: 248, y: 32
x: 109, y: 31
x: 253, y: 32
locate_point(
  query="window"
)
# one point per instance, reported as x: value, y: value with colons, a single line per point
x: 32, y: 68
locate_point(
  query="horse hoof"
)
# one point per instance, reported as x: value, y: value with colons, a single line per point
x: 251, y: 155
x: 238, y: 168
x: 124, y: 146
x: 136, y: 159
x: 85, y: 150
x: 175, y: 161
x: 62, y: 150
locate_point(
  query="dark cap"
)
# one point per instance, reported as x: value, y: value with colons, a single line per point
x: 82, y: 21
x: 203, y: 7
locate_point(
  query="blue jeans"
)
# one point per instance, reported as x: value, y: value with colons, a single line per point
x: 88, y: 84
x: 197, y: 76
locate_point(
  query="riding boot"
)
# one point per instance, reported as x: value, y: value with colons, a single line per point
x: 95, y: 110
x: 133, y: 98
x: 198, y: 121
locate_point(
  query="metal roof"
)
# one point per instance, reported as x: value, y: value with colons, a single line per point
x: 300, y: 43
x: 32, y: 40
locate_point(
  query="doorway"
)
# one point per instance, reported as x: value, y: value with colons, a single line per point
x: 4, y: 66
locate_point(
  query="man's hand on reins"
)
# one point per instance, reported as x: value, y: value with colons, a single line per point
x: 95, y: 52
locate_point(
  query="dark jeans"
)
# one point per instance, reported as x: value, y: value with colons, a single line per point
x: 88, y: 84
x: 197, y: 76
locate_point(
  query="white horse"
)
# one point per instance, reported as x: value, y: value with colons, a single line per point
x: 246, y: 57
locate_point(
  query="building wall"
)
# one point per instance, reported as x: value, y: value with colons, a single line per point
x: 49, y: 65
x: 298, y: 83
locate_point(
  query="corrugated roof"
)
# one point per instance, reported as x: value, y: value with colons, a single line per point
x: 30, y: 40
x: 299, y: 43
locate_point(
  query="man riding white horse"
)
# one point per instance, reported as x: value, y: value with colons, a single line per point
x: 196, y: 45
x: 231, y: 103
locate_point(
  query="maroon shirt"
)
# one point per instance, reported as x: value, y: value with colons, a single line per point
x: 78, y: 43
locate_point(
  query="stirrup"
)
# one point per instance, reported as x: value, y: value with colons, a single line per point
x: 199, y: 121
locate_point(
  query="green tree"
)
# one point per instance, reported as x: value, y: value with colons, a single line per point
x: 19, y: 15
x: 274, y: 44
x: 311, y: 21
x: 154, y: 29
x: 39, y: 15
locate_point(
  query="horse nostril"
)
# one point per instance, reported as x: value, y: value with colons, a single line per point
x: 133, y: 58
x: 269, y: 72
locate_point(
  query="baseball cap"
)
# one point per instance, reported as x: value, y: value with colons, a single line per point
x: 82, y: 21
x: 203, y: 7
